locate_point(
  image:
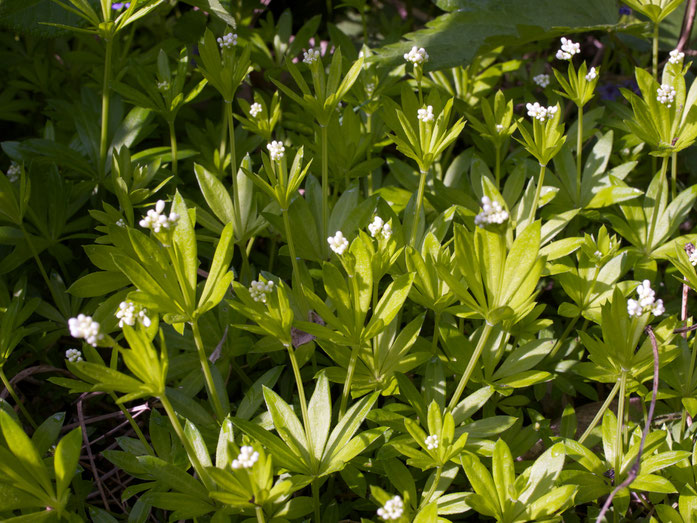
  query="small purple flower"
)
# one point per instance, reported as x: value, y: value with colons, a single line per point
x: 624, y: 10
x: 116, y: 6
x: 609, y: 92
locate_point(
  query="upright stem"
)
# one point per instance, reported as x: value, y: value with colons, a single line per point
x: 483, y: 338
x: 35, y: 255
x: 105, y: 107
x: 654, y: 216
x: 419, y: 203
x: 620, y: 424
x: 436, y: 332
x: 540, y: 181
x: 134, y: 425
x: 18, y: 402
x: 315, y: 500
x: 260, y: 514
x: 579, y: 153
x: 303, y: 402
x: 434, y: 486
x: 294, y: 263
x: 231, y: 134
x: 325, y: 183
x: 349, y: 378
x: 368, y: 131
x: 210, y: 385
x: 563, y: 337
x: 497, y: 166
x: 600, y: 413
x: 655, y: 51
x: 173, y: 145
x: 674, y: 176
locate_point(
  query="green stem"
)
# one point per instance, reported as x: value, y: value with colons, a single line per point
x: 655, y: 51
x: 187, y: 444
x: 18, y: 402
x: 325, y: 184
x: 245, y: 275
x: 231, y: 135
x: 497, y: 166
x: 674, y: 176
x: 563, y: 337
x: 294, y: 263
x: 436, y: 332
x: 260, y: 515
x: 579, y: 153
x: 315, y: 500
x: 419, y: 203
x: 134, y: 425
x: 620, y: 424
x: 105, y: 108
x: 483, y: 338
x: 210, y: 384
x: 349, y: 378
x: 42, y: 270
x: 434, y: 486
x: 371, y: 176
x: 303, y: 402
x: 535, y: 202
x: 656, y: 206
x: 173, y: 145
x: 599, y: 414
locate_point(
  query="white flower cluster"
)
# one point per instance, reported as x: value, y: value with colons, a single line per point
x: 311, y: 56
x: 246, y: 459
x: 338, y: 243
x: 393, y: 509
x: 276, y: 150
x: 369, y: 89
x: 425, y: 115
x: 73, y: 355
x: 85, y: 327
x: 676, y: 57
x: 540, y: 112
x: 568, y: 49
x: 499, y: 127
x: 163, y: 85
x: 647, y: 301
x: 665, y: 94
x: 13, y: 172
x: 432, y: 442
x: 157, y: 221
x: 255, y: 109
x: 128, y: 312
x: 592, y: 74
x: 121, y: 222
x: 259, y: 289
x: 227, y: 41
x: 379, y: 227
x: 492, y: 212
x: 416, y: 55
x: 541, y: 79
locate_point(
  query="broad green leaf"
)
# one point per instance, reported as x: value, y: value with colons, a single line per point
x: 66, y: 458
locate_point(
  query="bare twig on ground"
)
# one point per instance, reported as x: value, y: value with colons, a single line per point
x: 86, y: 439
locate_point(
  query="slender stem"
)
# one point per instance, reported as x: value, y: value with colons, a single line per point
x: 260, y: 514
x: 563, y: 337
x: 325, y: 183
x: 294, y: 262
x: 674, y: 177
x: 105, y: 107
x: 371, y: 176
x: 497, y: 166
x: 231, y: 134
x: 483, y: 338
x: 434, y: 486
x: 134, y: 425
x: 349, y: 378
x: 303, y: 402
x: 579, y: 153
x: 315, y: 500
x: 436, y: 332
x: 654, y: 216
x: 172, y: 415
x: 210, y: 384
x: 620, y: 425
x: 419, y: 204
x: 535, y: 202
x: 244, y: 272
x: 600, y: 412
x: 18, y: 402
x: 35, y: 255
x: 173, y: 145
x: 655, y: 51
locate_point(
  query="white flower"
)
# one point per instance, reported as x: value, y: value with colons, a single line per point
x: 676, y: 57
x: 592, y: 74
x: 665, y: 94
x: 338, y: 243
x: 425, y: 115
x: 163, y: 85
x: 13, y: 172
x: 693, y: 257
x: 73, y: 355
x: 378, y: 226
x: 540, y: 112
x: 647, y: 301
x: 246, y: 458
x: 541, y: 79
x: 128, y: 312
x: 416, y: 55
x: 259, y: 289
x: 499, y: 127
x: 387, y: 231
x: 254, y: 109
x: 276, y: 150
x: 227, y: 41
x: 369, y: 89
x: 492, y: 212
x: 568, y: 49
x: 157, y: 221
x: 121, y: 222
x: 85, y: 327
x: 432, y: 442
x: 598, y: 254
x: 393, y: 509
x: 311, y: 56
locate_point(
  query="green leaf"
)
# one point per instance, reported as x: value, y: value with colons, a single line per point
x: 215, y: 193
x: 320, y: 410
x: 98, y: 284
x: 66, y: 458
x: 24, y: 451
x: 212, y: 293
x: 389, y: 305
x: 184, y: 245
x: 287, y: 424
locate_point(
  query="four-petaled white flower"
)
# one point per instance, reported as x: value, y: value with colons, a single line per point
x: 676, y: 57
x: 540, y: 112
x: 416, y: 55
x: 499, y: 127
x: 393, y: 509
x: 246, y: 458
x: 311, y: 56
x: 647, y: 301
x: 73, y: 355
x: 128, y: 312
x: 592, y: 74
x: 258, y: 290
x: 13, y: 172
x: 568, y: 49
x: 541, y: 79
x: 379, y: 227
x: 227, y: 41
x: 492, y: 212
x: 254, y: 109
x: 425, y: 115
x: 276, y: 150
x: 432, y: 442
x: 338, y: 243
x: 85, y: 327
x: 665, y: 94
x: 157, y: 221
